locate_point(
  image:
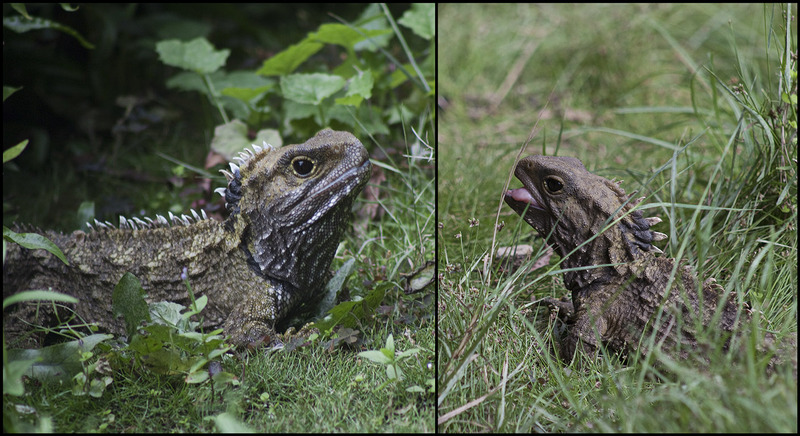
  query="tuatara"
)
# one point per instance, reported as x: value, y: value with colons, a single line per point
x: 622, y: 288
x: 288, y: 210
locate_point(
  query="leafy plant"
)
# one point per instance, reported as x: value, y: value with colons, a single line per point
x: 307, y: 101
x: 387, y: 356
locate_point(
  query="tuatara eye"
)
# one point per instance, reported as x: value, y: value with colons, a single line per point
x: 553, y: 184
x: 303, y: 166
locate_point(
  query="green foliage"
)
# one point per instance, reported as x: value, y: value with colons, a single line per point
x: 352, y: 313
x: 170, y: 344
x: 318, y: 98
x: 128, y: 301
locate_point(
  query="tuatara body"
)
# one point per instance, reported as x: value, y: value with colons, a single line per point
x: 623, y: 290
x: 288, y: 210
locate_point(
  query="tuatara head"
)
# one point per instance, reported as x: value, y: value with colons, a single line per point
x: 290, y: 206
x: 568, y: 205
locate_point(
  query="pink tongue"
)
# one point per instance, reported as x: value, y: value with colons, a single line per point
x: 522, y: 194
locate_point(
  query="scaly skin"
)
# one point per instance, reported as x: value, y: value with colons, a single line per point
x: 590, y: 221
x: 289, y: 209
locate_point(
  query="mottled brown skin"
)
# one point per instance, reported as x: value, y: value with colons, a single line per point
x: 289, y: 208
x: 590, y: 222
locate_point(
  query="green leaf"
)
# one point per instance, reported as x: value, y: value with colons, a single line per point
x: 229, y: 423
x: 21, y: 25
x: 420, y: 278
x: 197, y: 376
x: 343, y: 35
x: 373, y: 18
x: 128, y: 300
x: 38, y: 295
x: 409, y: 352
x: 58, y: 362
x: 98, y: 386
x: 390, y: 344
x: 12, y: 376
x: 310, y: 88
x: 33, y: 241
x: 333, y: 287
x: 231, y: 138
x: 359, y: 89
x: 14, y: 151
x: 421, y: 19
x: 168, y: 313
x: 8, y: 91
x: 199, y: 304
x: 288, y: 60
x: 349, y: 313
x: 197, y: 55
x: 85, y: 214
x: 393, y: 372
x: 190, y: 81
x: 375, y: 356
x: 20, y: 7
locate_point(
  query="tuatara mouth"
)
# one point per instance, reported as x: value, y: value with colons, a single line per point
x: 525, y: 203
x: 522, y: 195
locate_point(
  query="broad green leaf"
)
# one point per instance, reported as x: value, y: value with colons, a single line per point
x: 343, y: 35
x: 231, y: 138
x: 189, y: 81
x: 288, y: 60
x: 98, y: 386
x: 58, y: 362
x: 33, y: 241
x: 12, y: 376
x: 393, y: 372
x: 168, y: 313
x: 421, y: 19
x: 197, y: 377
x: 197, y: 55
x: 310, y: 88
x: 359, y: 89
x: 128, y: 300
x: 375, y: 356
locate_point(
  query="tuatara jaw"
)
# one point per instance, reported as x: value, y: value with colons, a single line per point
x: 522, y: 195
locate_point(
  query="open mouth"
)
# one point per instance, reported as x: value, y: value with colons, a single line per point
x: 522, y: 195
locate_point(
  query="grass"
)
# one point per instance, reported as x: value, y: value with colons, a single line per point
x: 675, y: 100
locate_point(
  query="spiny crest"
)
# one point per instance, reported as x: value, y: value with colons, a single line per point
x: 233, y: 192
x: 641, y: 224
x: 149, y: 223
